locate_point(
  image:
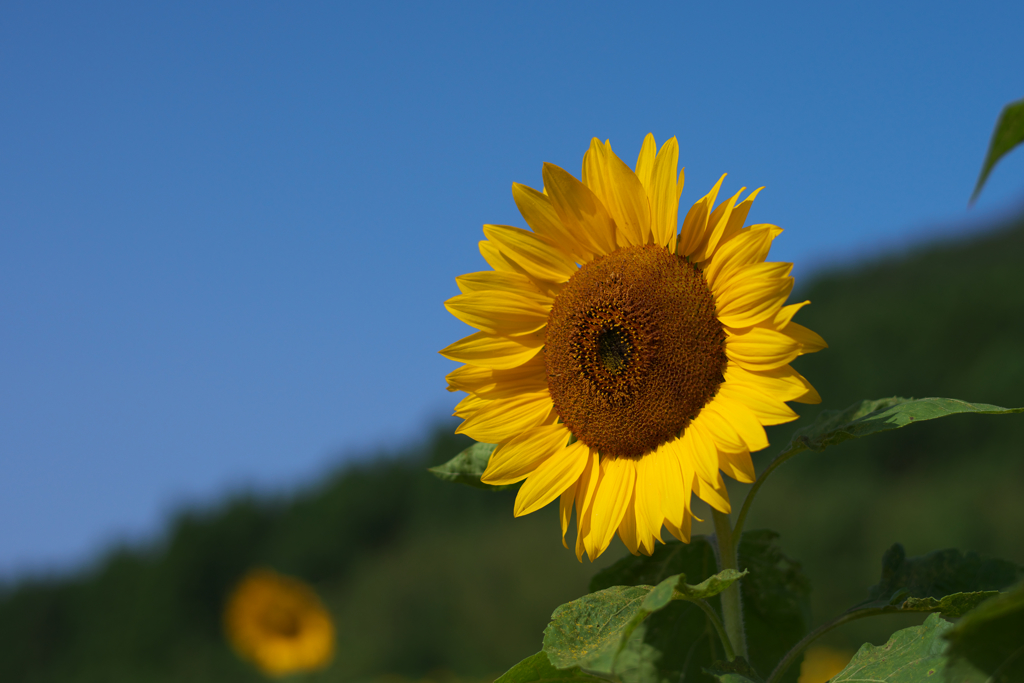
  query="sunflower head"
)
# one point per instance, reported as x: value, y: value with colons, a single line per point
x: 279, y: 624
x: 625, y: 359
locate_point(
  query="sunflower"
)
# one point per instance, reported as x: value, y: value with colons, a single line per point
x: 279, y: 624
x: 821, y: 664
x: 623, y: 361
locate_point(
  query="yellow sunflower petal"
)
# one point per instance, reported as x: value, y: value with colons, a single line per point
x: 495, y: 259
x: 627, y: 527
x: 742, y: 420
x: 752, y: 293
x: 620, y: 191
x: 681, y: 531
x: 742, y: 276
x: 491, y: 384
x: 786, y: 313
x: 676, y: 487
x: 485, y: 280
x: 724, y: 434
x: 649, y: 493
x: 501, y: 312
x: 507, y: 417
x: 585, y: 490
x: 551, y: 479
x: 714, y: 494
x: 516, y: 459
x: 695, y: 225
x: 784, y: 383
x: 537, y: 256
x: 565, y: 509
x: 664, y: 196
x: 618, y: 476
x: 716, y: 233
x: 645, y: 161
x: 760, y: 348
x: 580, y: 210
x: 739, y: 466
x: 809, y: 340
x: 737, y: 218
x: 749, y: 247
x: 768, y: 409
x: 701, y: 449
x: 493, y: 351
x: 540, y: 215
x: 470, y: 405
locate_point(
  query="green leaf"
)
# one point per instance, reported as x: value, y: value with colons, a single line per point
x: 870, y: 417
x: 776, y: 594
x: 537, y: 669
x: 990, y: 639
x: 951, y: 606
x: 939, y: 575
x: 468, y: 466
x: 912, y: 655
x: 586, y: 632
x: 1009, y: 133
x: 707, y: 588
x: 609, y: 632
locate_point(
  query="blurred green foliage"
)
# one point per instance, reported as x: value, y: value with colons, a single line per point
x: 432, y: 581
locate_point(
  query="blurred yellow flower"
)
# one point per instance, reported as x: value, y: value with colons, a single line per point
x: 822, y: 663
x: 624, y: 361
x: 279, y: 624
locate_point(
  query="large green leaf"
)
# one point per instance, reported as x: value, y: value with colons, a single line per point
x: 776, y: 595
x: 537, y: 669
x: 467, y: 467
x: 1009, y: 133
x: 939, y: 575
x: 912, y: 655
x: 613, y: 632
x: 870, y: 417
x: 990, y: 639
x: 586, y: 632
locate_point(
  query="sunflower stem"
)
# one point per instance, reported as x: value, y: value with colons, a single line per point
x: 732, y: 607
x: 712, y: 616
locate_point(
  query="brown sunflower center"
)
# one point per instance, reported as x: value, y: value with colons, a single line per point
x: 634, y: 350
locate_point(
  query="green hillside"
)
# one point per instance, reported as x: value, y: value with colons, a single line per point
x: 431, y: 580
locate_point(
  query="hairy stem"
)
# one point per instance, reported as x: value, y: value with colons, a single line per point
x: 732, y: 607
x: 712, y: 616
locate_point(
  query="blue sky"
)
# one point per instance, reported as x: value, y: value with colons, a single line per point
x: 228, y: 228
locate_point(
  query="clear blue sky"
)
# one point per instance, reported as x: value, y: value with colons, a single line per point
x: 228, y: 228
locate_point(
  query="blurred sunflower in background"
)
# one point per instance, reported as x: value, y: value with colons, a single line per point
x: 821, y: 664
x: 279, y: 624
x: 623, y: 362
